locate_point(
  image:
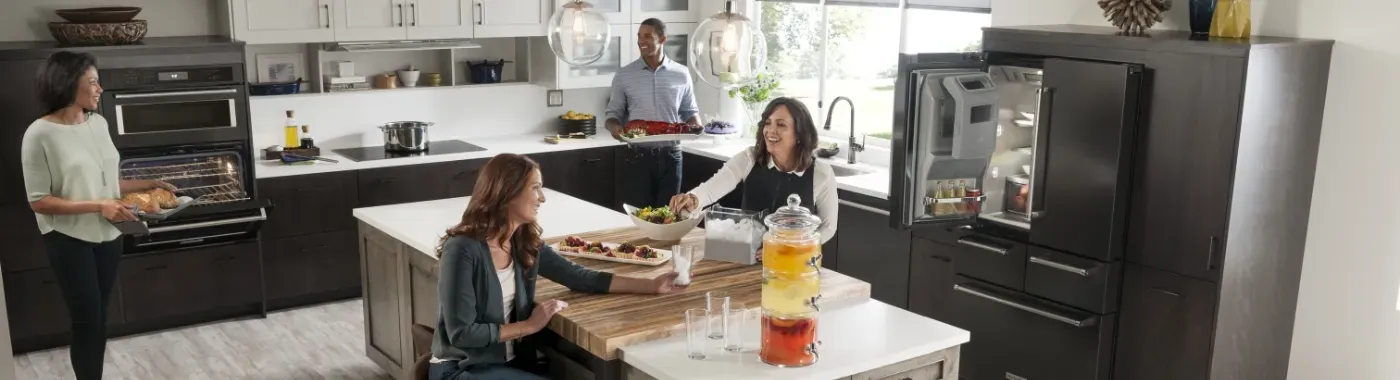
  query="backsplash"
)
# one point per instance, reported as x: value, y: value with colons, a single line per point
x: 343, y: 120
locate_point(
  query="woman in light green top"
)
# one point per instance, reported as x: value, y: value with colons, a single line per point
x: 70, y: 175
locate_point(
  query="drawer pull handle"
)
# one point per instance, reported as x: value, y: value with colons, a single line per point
x: 157, y: 267
x: 1167, y: 292
x: 225, y: 258
x: 1060, y: 266
x: 983, y: 246
x: 49, y: 282
x: 319, y: 247
x: 593, y: 160
x: 1030, y: 309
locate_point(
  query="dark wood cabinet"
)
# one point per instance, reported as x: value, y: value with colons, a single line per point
x: 461, y: 176
x: 1167, y: 324
x: 310, y: 204
x: 189, y: 281
x: 24, y: 246
x: 1181, y: 201
x: 931, y: 277
x: 311, y: 264
x: 697, y: 169
x: 21, y: 108
x: 875, y: 253
x: 402, y: 184
x: 587, y: 174
x: 36, y: 306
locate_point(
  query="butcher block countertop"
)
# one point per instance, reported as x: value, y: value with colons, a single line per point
x: 603, y: 323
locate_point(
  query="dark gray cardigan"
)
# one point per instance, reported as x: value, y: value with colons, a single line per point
x: 469, y: 298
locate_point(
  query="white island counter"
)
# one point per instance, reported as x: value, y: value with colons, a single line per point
x: 861, y: 338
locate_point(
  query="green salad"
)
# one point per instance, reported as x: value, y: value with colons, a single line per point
x: 658, y: 215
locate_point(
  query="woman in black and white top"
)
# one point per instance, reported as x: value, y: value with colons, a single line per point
x: 779, y: 164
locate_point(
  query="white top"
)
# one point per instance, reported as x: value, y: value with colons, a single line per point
x: 421, y: 225
x: 73, y: 162
x: 738, y: 168
x: 884, y: 335
x: 507, y: 278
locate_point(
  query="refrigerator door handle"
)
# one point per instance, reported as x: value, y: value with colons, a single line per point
x: 1040, y: 147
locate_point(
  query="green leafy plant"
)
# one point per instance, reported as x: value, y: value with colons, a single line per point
x: 757, y: 91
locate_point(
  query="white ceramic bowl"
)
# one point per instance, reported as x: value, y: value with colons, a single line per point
x: 664, y: 232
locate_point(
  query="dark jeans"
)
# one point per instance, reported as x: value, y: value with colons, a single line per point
x: 651, y: 175
x: 509, y: 371
x: 85, y: 272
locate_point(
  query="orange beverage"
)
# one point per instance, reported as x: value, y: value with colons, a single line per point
x: 791, y: 294
x: 790, y: 256
x: 789, y: 341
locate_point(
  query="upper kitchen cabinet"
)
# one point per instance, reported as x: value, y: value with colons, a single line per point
x: 281, y: 21
x: 512, y: 18
x: 554, y: 73
x: 439, y: 19
x: 371, y: 20
x: 665, y: 10
x: 616, y: 11
x: 677, y: 41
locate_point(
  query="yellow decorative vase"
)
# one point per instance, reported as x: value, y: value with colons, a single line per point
x: 1231, y: 19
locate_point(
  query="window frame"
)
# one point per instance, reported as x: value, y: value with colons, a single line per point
x: 821, y: 109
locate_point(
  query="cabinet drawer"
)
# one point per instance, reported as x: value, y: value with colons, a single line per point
x: 401, y: 184
x: 1083, y: 283
x: 1168, y: 326
x: 181, y: 282
x: 24, y: 246
x: 309, y: 204
x: 1020, y: 335
x: 36, y: 305
x: 311, y: 264
x: 990, y: 259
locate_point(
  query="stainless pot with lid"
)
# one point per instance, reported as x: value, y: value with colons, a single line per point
x: 405, y: 136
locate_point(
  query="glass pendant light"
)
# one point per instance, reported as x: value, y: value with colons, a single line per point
x: 578, y: 35
x: 727, y: 50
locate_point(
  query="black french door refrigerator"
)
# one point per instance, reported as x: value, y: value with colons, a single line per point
x: 1024, y: 161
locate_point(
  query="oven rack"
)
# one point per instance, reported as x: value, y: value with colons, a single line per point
x: 179, y: 171
x: 215, y: 194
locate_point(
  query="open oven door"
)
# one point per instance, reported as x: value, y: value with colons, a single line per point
x: 946, y: 130
x: 219, y: 180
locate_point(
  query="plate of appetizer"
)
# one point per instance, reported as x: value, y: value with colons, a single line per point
x: 642, y: 131
x: 659, y: 223
x: 574, y: 246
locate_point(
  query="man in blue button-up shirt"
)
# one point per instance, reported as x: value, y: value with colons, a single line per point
x: 654, y: 88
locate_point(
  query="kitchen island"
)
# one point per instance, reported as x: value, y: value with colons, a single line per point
x: 588, y: 339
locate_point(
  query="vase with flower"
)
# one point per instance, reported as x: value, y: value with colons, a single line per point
x: 755, y: 96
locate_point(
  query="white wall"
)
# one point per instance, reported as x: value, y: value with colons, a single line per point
x: 27, y: 20
x: 1347, y: 324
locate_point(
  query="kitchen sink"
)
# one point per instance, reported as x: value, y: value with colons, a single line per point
x: 842, y: 171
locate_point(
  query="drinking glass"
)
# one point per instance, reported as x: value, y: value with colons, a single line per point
x: 681, y: 261
x: 734, y: 322
x: 697, y: 326
x: 717, y: 305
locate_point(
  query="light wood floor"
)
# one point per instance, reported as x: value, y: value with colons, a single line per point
x: 318, y: 342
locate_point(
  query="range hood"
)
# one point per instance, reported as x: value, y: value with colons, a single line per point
x: 400, y: 45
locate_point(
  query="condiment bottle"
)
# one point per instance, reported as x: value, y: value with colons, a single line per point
x: 293, y: 134
x: 307, y: 142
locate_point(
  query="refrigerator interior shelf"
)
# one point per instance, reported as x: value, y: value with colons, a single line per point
x: 931, y: 200
x: 1025, y: 150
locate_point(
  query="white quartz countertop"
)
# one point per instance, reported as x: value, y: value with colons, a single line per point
x: 422, y: 224
x: 855, y: 338
x: 874, y: 184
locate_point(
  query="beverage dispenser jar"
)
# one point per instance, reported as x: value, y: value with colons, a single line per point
x: 791, y: 286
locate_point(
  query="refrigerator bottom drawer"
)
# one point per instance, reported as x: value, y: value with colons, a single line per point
x: 1017, y: 336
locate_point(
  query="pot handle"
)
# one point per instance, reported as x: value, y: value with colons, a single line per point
x: 429, y: 124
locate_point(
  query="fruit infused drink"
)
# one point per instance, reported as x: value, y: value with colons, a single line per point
x: 791, y: 255
x: 789, y: 341
x: 791, y: 294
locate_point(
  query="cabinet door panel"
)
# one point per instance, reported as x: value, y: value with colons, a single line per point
x: 595, y: 180
x: 283, y: 21
x: 35, y: 304
x: 665, y: 10
x: 875, y: 253
x: 370, y: 20
x: 444, y: 19
x: 24, y: 246
x: 310, y: 204
x: 1166, y: 328
x: 1180, y: 201
x: 188, y: 281
x: 402, y: 184
x: 461, y: 175
x: 312, y: 264
x: 931, y: 277
x: 511, y: 18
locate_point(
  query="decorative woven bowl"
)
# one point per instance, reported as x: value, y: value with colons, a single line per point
x: 98, y: 15
x: 112, y: 33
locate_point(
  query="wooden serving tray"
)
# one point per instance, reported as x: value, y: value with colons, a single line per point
x: 270, y: 155
x: 664, y: 255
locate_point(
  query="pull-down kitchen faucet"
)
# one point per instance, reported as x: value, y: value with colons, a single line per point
x: 854, y: 147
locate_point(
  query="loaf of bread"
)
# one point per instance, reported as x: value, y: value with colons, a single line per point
x: 164, y: 198
x: 142, y: 201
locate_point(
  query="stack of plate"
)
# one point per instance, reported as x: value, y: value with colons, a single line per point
x: 587, y: 126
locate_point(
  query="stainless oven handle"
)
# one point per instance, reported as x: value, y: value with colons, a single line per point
x: 1060, y: 266
x: 262, y: 215
x: 190, y: 240
x: 983, y: 246
x: 176, y: 93
x: 1030, y: 309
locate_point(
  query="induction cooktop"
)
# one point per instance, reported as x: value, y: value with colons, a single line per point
x: 372, y: 153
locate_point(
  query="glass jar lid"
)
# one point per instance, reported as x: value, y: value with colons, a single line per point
x: 792, y: 217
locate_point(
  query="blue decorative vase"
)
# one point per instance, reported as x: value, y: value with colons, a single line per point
x: 1202, y: 12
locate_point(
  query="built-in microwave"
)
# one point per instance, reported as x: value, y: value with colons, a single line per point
x: 162, y: 106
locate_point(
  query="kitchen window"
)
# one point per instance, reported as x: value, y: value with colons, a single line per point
x: 860, y: 41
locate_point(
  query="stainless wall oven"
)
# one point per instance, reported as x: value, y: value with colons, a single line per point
x: 175, y: 105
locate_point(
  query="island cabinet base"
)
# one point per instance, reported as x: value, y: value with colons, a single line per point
x: 941, y: 365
